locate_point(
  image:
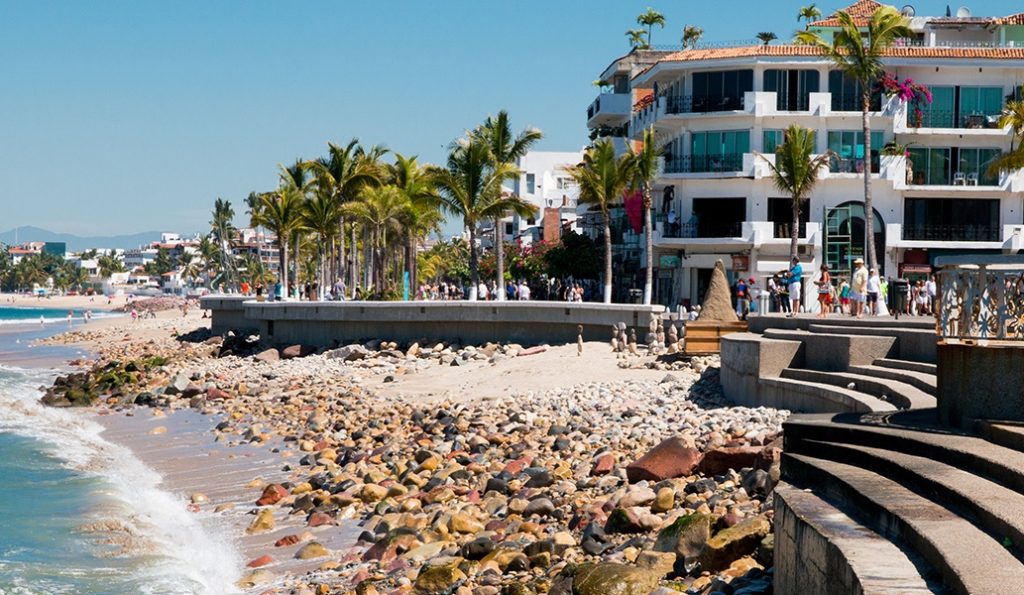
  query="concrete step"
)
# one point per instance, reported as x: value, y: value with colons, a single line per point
x: 996, y: 509
x: 836, y: 353
x: 968, y: 559
x: 1010, y: 435
x: 915, y: 344
x: 900, y: 364
x: 970, y: 453
x: 835, y: 554
x: 922, y: 380
x: 900, y: 394
x: 758, y: 323
x: 815, y: 397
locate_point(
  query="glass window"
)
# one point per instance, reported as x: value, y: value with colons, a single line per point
x: 951, y: 219
x: 721, y: 91
x: 771, y: 140
x: 973, y: 163
x: 978, y: 102
x: 846, y: 93
x: 530, y: 184
x: 938, y: 114
x: 847, y: 148
x: 792, y: 88
x: 719, y: 151
x: 930, y: 165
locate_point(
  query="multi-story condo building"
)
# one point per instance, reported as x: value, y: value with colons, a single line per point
x: 719, y: 113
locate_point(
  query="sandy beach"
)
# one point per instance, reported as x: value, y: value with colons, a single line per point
x: 391, y: 467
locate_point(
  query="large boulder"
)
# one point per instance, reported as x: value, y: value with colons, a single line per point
x: 349, y: 353
x: 438, y: 576
x: 267, y: 355
x: 294, y: 351
x: 719, y: 460
x: 673, y: 457
x: 717, y: 304
x: 733, y: 543
x: 613, y: 579
x: 686, y: 536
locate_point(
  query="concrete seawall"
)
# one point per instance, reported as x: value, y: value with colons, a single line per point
x: 329, y: 323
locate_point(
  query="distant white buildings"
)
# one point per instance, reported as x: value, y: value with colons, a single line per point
x: 547, y: 185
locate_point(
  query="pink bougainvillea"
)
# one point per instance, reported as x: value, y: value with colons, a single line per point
x: 908, y: 91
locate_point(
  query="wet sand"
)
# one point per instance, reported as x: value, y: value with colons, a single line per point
x: 191, y: 461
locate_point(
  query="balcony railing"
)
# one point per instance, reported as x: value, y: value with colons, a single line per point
x: 942, y: 178
x: 781, y: 230
x: 952, y: 119
x: 853, y: 104
x: 703, y: 229
x: 700, y: 104
x: 951, y: 233
x: 727, y: 162
x: 844, y: 165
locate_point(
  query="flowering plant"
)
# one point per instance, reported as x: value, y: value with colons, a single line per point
x: 907, y: 91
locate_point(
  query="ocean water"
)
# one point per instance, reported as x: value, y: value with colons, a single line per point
x: 79, y: 514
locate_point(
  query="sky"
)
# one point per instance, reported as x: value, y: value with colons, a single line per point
x: 123, y: 116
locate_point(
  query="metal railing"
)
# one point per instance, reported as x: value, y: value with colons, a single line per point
x: 782, y: 230
x: 844, y: 165
x: 952, y: 233
x: 952, y: 119
x: 848, y: 104
x: 701, y: 104
x: 702, y: 229
x: 983, y: 300
x: 685, y: 164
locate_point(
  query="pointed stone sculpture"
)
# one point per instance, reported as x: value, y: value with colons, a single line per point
x: 579, y: 340
x: 632, y: 341
x: 717, y: 306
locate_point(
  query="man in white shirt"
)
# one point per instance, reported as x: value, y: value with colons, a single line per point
x: 931, y: 289
x: 524, y: 291
x: 874, y: 290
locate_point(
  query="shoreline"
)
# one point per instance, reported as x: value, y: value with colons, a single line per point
x: 385, y: 462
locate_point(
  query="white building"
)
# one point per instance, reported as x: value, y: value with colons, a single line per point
x: 546, y: 185
x: 714, y: 110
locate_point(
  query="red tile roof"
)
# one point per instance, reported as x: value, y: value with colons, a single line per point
x: 861, y: 11
x: 1001, y: 53
x: 1013, y: 19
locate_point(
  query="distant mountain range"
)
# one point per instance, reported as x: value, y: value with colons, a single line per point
x: 77, y: 243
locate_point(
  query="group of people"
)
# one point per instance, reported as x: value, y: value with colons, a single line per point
x: 865, y: 293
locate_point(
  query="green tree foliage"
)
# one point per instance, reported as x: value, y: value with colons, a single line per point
x: 576, y: 256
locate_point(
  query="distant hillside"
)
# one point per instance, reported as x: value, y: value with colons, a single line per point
x: 78, y: 243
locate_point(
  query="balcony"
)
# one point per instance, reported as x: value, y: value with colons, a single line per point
x: 686, y: 164
x: 952, y: 233
x: 844, y: 165
x: 701, y: 104
x: 781, y: 231
x: 952, y: 119
x: 609, y: 109
x: 704, y: 230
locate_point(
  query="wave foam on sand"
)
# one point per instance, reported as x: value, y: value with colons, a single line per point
x: 177, y: 550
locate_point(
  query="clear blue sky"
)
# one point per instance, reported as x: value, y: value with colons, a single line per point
x: 133, y: 115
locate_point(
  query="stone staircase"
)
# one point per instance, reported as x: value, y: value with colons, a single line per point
x: 875, y: 496
x: 833, y: 365
x: 951, y: 502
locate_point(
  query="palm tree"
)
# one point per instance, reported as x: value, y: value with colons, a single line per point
x: 281, y: 214
x: 860, y: 58
x: 602, y: 179
x: 470, y: 187
x: 649, y: 19
x: 645, y: 170
x: 210, y: 254
x: 320, y: 215
x: 636, y: 39
x: 419, y: 186
x: 1012, y: 116
x: 383, y: 210
x: 506, y: 150
x: 767, y: 37
x: 691, y: 36
x: 808, y: 13
x: 795, y: 171
x: 344, y: 172
x: 188, y: 267
x: 223, y: 230
x: 110, y: 264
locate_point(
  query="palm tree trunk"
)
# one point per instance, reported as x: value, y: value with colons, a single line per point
x: 869, y: 213
x: 794, y: 230
x: 499, y: 257
x: 341, y: 248
x: 607, y: 261
x: 298, y: 240
x: 354, y: 269
x: 410, y: 262
x: 474, y: 265
x: 283, y: 257
x: 649, y: 280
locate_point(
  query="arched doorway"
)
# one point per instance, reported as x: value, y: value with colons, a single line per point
x: 845, y: 238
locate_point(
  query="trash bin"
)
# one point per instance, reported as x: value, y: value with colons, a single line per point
x: 900, y: 289
x: 636, y: 296
x: 763, y: 303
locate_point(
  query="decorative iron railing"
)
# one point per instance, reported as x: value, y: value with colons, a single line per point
x: 685, y: 164
x: 701, y: 104
x: 981, y: 301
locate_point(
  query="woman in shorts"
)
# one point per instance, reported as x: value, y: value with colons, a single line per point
x: 824, y: 292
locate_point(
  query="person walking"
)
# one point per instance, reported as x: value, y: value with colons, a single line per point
x: 844, y: 296
x: 796, y: 274
x: 874, y: 288
x: 742, y: 299
x: 824, y: 292
x: 858, y: 288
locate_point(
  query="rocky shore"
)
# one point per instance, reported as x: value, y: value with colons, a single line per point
x: 610, y: 487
